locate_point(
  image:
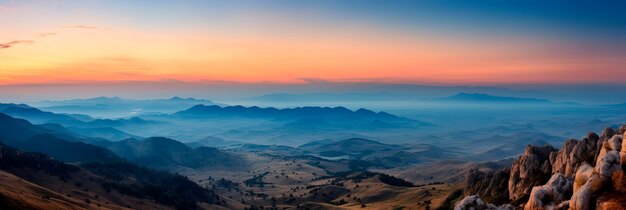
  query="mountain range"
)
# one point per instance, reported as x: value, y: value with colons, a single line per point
x: 331, y: 173
x: 116, y: 107
x: 214, y: 111
x: 484, y: 98
x: 386, y: 97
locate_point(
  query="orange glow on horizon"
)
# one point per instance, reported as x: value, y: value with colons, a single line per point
x: 79, y: 56
x: 71, y: 53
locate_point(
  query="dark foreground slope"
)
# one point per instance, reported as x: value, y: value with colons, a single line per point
x: 95, y: 184
x: 96, y: 177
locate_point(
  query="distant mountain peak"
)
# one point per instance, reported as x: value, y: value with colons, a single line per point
x: 287, y: 113
x: 178, y: 98
x: 481, y: 97
x: 105, y: 98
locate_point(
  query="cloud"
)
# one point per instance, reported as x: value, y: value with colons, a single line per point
x: 46, y: 34
x: 10, y: 44
x: 81, y: 27
x: 313, y: 80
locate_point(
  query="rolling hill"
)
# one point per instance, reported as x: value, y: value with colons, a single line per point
x: 164, y: 153
x: 37, y: 181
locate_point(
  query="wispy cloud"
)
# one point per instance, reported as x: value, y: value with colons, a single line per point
x: 81, y: 27
x: 46, y: 34
x: 10, y: 44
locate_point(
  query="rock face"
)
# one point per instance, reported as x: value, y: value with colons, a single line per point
x: 587, y: 174
x: 491, y: 185
x: 533, y: 168
x: 573, y: 154
x: 474, y: 202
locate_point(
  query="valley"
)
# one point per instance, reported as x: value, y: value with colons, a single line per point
x: 270, y: 158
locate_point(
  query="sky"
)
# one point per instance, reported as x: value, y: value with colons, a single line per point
x: 45, y: 42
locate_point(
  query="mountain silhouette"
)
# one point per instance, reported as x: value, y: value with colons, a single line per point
x: 479, y: 97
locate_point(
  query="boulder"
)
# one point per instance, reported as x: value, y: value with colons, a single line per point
x: 584, y: 197
x: 608, y: 164
x: 611, y: 144
x: 550, y: 195
x: 474, y: 202
x: 581, y: 199
x: 582, y: 176
x: 595, y: 182
x: 606, y: 134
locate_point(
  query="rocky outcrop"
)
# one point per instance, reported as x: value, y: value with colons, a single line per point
x: 533, y: 168
x: 490, y: 185
x: 606, y: 134
x: 605, y: 178
x: 573, y: 154
x: 550, y: 195
x: 586, y: 174
x: 474, y: 202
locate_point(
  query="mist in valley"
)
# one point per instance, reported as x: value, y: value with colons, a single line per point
x: 312, y: 105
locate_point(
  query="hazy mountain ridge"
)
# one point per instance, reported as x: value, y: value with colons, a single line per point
x: 34, y: 114
x: 164, y: 153
x: 314, y: 97
x: 293, y: 123
x: 485, y: 98
x: 287, y: 113
x: 76, y: 125
x: 22, y: 134
x: 116, y: 107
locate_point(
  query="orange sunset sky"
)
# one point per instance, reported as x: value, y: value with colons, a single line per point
x: 48, y: 42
